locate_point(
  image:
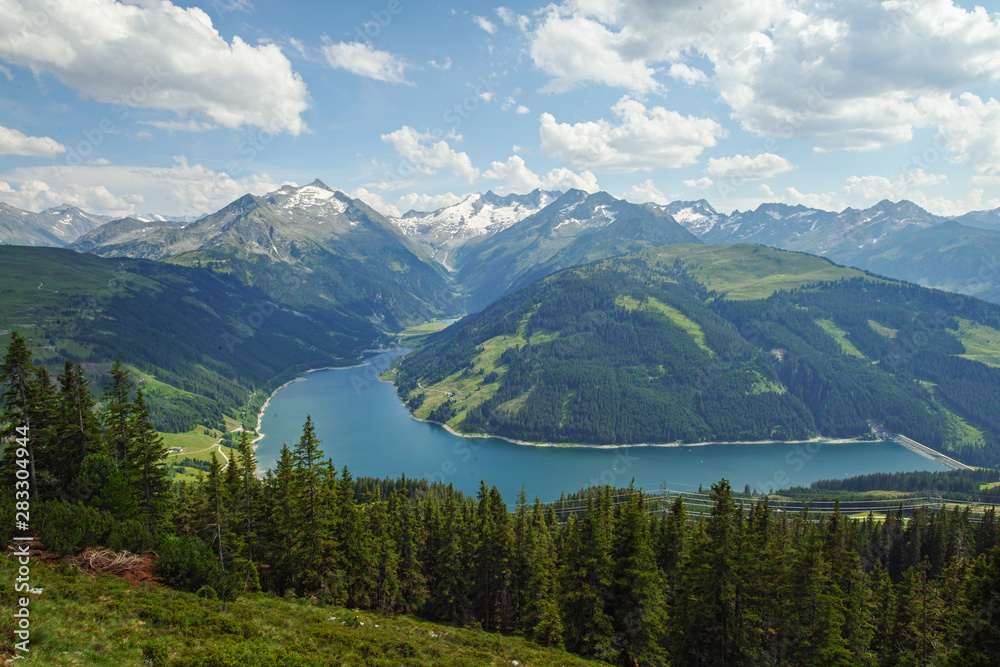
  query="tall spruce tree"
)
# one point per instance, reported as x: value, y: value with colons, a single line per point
x: 149, y: 480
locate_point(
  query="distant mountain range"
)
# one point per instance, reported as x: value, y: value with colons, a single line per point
x: 486, y: 244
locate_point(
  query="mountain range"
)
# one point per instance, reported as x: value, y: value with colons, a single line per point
x: 487, y: 244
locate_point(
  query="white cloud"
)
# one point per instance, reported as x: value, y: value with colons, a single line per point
x: 847, y: 75
x: 576, y: 49
x: 14, y: 142
x: 428, y: 156
x: 510, y: 18
x: 518, y: 178
x: 521, y: 109
x: 746, y: 168
x: 485, y: 24
x: 700, y: 184
x: 824, y: 201
x: 421, y: 202
x: 180, y: 189
x: 486, y: 95
x: 642, y: 139
x: 866, y: 191
x: 155, y: 54
x: 968, y: 129
x: 376, y: 201
x: 645, y: 192
x: 444, y: 64
x: 365, y: 60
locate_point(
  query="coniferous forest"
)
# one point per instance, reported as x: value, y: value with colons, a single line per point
x: 613, y: 575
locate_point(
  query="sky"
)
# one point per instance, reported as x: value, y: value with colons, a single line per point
x: 149, y: 106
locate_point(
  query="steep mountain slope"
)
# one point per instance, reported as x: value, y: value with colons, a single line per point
x: 118, y: 237
x: 950, y: 256
x: 717, y: 343
x: 57, y: 226
x: 203, y: 339
x: 310, y: 246
x: 476, y: 215
x: 574, y: 229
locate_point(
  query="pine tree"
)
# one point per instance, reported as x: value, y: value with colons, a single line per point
x: 216, y: 509
x: 541, y: 617
x: 407, y: 534
x: 150, y: 483
x: 79, y: 430
x: 117, y: 400
x: 636, y: 589
x: 586, y: 582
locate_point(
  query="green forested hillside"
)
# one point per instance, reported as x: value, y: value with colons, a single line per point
x: 205, y: 339
x: 723, y: 343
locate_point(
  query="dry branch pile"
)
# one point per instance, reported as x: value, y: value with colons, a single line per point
x: 131, y: 567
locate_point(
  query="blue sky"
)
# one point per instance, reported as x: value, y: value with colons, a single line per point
x: 179, y: 108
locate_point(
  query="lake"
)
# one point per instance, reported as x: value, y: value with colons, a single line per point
x: 364, y: 426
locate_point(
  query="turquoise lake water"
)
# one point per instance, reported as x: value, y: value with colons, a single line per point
x: 364, y: 426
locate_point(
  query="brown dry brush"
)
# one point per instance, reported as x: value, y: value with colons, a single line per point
x: 132, y: 567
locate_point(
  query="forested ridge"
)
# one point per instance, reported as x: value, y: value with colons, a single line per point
x: 208, y: 340
x: 641, y: 350
x: 614, y: 575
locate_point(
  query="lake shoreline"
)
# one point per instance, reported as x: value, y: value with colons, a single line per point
x: 566, y: 445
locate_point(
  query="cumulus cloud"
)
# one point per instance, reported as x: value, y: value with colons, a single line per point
x: 376, y: 201
x: 747, y: 168
x: 180, y: 189
x: 700, y: 183
x: 427, y: 156
x: 365, y: 60
x: 577, y: 49
x: 521, y: 109
x: 155, y: 55
x: 14, y: 142
x: 518, y: 178
x: 851, y: 75
x: 645, y: 192
x: 641, y: 139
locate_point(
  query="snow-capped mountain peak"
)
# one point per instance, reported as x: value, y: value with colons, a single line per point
x: 476, y: 214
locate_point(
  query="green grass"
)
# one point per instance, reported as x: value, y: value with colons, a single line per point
x: 981, y: 343
x: 883, y: 330
x: 745, y: 271
x: 467, y: 388
x: 652, y: 305
x: 107, y: 622
x: 840, y: 336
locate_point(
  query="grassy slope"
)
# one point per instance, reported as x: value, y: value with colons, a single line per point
x: 747, y: 271
x: 105, y: 621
